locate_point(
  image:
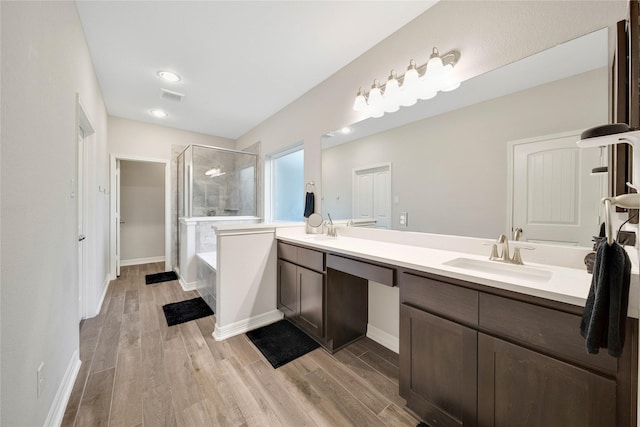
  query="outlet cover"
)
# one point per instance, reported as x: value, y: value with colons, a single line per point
x: 404, y: 219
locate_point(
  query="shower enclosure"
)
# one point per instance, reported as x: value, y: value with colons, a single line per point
x: 216, y: 182
x: 215, y: 186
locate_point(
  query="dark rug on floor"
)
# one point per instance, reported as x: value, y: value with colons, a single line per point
x: 184, y: 311
x: 160, y: 277
x: 422, y: 425
x: 281, y: 342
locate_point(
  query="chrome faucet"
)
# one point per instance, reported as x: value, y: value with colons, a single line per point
x: 332, y: 230
x: 504, y: 255
x: 516, y: 234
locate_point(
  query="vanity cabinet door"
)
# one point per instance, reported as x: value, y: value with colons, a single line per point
x: 520, y: 387
x: 288, y: 297
x: 438, y: 368
x: 311, y: 300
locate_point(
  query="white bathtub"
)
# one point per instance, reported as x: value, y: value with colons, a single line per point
x: 206, y: 267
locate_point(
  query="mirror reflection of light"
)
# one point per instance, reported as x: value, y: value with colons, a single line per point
x: 214, y: 172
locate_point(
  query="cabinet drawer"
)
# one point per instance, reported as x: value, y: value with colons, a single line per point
x: 362, y: 269
x: 304, y: 257
x: 450, y: 301
x: 311, y: 259
x: 549, y: 330
x: 288, y: 252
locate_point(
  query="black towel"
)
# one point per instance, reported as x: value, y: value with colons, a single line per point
x: 605, y: 313
x: 309, y: 204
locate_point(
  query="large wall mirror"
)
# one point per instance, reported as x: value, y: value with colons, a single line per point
x: 496, y: 154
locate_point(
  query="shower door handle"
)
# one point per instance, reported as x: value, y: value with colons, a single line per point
x: 81, y: 237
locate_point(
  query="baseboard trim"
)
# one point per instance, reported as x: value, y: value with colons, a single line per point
x: 242, y: 326
x: 105, y: 286
x: 59, y: 404
x: 383, y: 338
x: 186, y: 286
x: 138, y: 261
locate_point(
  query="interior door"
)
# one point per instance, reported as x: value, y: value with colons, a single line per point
x: 554, y: 190
x: 80, y: 201
x: 117, y: 216
x: 372, y: 195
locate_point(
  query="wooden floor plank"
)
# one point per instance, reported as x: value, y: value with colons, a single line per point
x: 370, y: 397
x: 126, y: 406
x: 343, y: 404
x: 273, y: 390
x: 96, y: 401
x: 137, y: 371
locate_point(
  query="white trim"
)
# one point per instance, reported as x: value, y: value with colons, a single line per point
x: 269, y: 176
x: 186, y: 286
x: 383, y: 338
x: 138, y: 261
x: 167, y: 208
x: 59, y: 404
x: 242, y: 326
x: 105, y: 286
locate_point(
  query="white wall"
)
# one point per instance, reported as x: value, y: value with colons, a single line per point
x: 488, y: 34
x: 437, y: 160
x: 45, y: 63
x: 130, y: 139
x: 138, y: 139
x: 142, y: 207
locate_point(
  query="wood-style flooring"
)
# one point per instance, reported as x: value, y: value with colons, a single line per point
x: 136, y: 371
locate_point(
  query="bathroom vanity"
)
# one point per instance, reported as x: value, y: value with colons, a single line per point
x: 476, y: 347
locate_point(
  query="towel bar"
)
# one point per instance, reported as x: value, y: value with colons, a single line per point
x: 626, y: 201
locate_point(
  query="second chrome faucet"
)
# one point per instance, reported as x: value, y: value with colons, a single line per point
x: 505, y: 253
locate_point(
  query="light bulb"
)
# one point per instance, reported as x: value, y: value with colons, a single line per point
x: 169, y: 76
x: 392, y: 94
x: 449, y: 82
x: 360, y: 104
x: 410, y: 85
x: 376, y: 102
x: 158, y: 113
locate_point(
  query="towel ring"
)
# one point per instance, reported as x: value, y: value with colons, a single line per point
x: 626, y: 201
x: 310, y: 184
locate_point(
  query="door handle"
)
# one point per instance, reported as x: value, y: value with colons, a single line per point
x: 122, y: 222
x: 81, y: 237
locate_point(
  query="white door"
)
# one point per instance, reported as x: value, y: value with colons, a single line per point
x: 81, y: 206
x: 117, y: 217
x: 556, y: 199
x: 372, y: 195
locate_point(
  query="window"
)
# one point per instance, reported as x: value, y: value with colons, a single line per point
x: 287, y: 185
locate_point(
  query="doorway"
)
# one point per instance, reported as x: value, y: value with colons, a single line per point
x: 86, y: 292
x: 140, y: 212
x: 372, y: 194
x: 555, y: 199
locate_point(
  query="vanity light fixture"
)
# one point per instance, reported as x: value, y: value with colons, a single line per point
x: 418, y: 82
x: 169, y: 76
x: 160, y: 114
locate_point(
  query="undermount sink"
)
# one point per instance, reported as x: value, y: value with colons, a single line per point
x: 503, y: 269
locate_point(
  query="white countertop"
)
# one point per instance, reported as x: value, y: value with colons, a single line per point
x: 568, y: 285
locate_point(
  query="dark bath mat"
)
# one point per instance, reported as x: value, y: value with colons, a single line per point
x: 184, y: 311
x: 281, y: 342
x: 160, y: 277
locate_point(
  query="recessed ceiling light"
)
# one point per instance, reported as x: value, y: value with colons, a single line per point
x: 345, y: 130
x: 158, y: 113
x: 169, y: 76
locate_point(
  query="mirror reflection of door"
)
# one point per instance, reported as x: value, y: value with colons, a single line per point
x: 372, y: 194
x: 556, y: 198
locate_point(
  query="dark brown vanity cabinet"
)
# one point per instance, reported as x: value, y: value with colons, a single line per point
x: 327, y: 294
x: 301, y: 282
x: 472, y: 358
